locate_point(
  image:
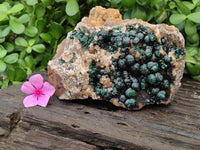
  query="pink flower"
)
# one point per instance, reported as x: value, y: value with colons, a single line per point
x: 40, y: 92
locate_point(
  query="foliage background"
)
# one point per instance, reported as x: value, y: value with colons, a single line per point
x: 30, y: 30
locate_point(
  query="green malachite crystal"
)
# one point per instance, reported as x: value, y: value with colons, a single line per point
x: 151, y: 79
x: 144, y: 70
x: 135, y: 86
x: 161, y: 94
x: 166, y: 84
x: 130, y: 59
x: 130, y: 93
x: 154, y: 91
x: 130, y: 103
x: 151, y: 73
x: 136, y: 40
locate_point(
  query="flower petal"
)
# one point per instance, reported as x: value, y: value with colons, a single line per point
x: 27, y: 88
x: 36, y: 80
x: 43, y: 100
x: 48, y: 89
x: 30, y: 101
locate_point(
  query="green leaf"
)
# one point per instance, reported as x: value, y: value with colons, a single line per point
x: 194, y: 17
x: 2, y: 40
x: 11, y: 59
x: 182, y: 7
x: 193, y: 69
x: 188, y: 5
x: 21, y: 42
x: 40, y: 11
x: 2, y: 66
x: 20, y: 74
x: 41, y: 25
x: 31, y: 31
x: 190, y: 28
x: 196, y: 77
x: 31, y: 2
x: 72, y: 7
x: 3, y: 52
x: 5, y: 32
x: 40, y: 48
x: 11, y: 73
x: 16, y: 27
x: 3, y: 8
x: 5, y: 83
x: 193, y: 38
x: 60, y: 0
x: 16, y: 8
x: 162, y: 17
x: 2, y: 16
x: 71, y: 21
x: 22, y: 63
x: 172, y: 5
x: 16, y: 82
x: 177, y: 18
x: 46, y: 37
x: 68, y: 29
x: 9, y: 46
x: 47, y: 2
x: 196, y: 2
x: 29, y: 61
x: 24, y: 18
x: 56, y: 30
x: 28, y: 49
x: 192, y: 51
x: 31, y: 42
x: 190, y: 59
x: 139, y: 13
x: 128, y: 3
x: 127, y: 14
x: 142, y: 2
x: 22, y: 54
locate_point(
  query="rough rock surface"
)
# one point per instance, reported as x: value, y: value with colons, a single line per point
x: 130, y: 63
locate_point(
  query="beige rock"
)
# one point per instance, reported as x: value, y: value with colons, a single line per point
x: 71, y: 78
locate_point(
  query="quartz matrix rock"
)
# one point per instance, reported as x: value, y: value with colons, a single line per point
x: 130, y: 63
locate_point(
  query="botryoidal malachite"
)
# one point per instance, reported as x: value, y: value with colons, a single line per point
x: 131, y: 64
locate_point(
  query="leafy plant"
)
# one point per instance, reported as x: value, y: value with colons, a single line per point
x: 30, y: 30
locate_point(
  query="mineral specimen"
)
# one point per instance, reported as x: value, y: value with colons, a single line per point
x: 130, y: 63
